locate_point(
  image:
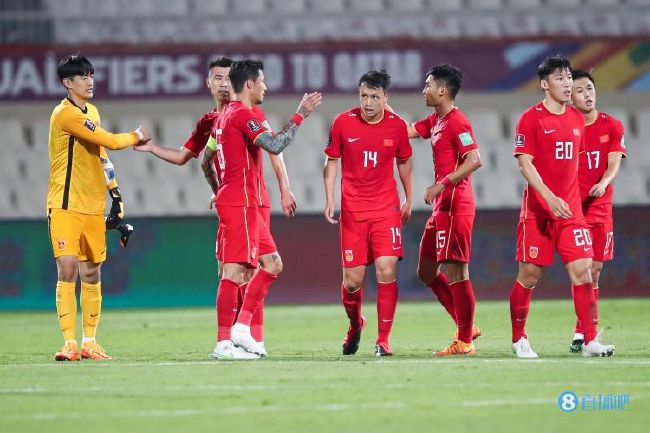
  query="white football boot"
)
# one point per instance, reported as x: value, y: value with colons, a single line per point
x: 225, y: 350
x: 241, y: 336
x: 596, y: 348
x: 522, y: 349
x: 261, y: 350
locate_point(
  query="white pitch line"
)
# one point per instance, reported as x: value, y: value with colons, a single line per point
x: 504, y: 402
x: 154, y: 413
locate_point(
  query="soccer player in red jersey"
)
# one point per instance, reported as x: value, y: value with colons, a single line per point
x: 241, y: 134
x: 599, y: 164
x: 549, y: 139
x: 447, y: 236
x: 368, y: 139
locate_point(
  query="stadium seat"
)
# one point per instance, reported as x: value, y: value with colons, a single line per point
x: 13, y: 135
x: 442, y: 27
x: 209, y: 7
x: 601, y: 23
x: 643, y: 123
x: 40, y: 134
x: 445, y: 5
x: 367, y: 5
x: 406, y: 5
x: 563, y: 4
x: 521, y: 24
x: 175, y: 130
x: 65, y: 8
x: 636, y: 187
x: 174, y: 8
x: 487, y: 125
x: 327, y: 6
x: 310, y: 194
x: 524, y: 4
x: 478, y: 26
x: 606, y: 3
x: 249, y: 7
x: 23, y: 199
x: 566, y: 24
x: 485, y: 4
x: 496, y: 189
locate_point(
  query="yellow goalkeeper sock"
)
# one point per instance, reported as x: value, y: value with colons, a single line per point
x: 91, y: 307
x: 66, y: 307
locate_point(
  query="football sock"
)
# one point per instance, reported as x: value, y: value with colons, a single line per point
x: 386, y: 305
x: 440, y: 288
x: 464, y: 306
x: 578, y: 328
x: 352, y: 305
x: 519, y: 306
x: 584, y: 302
x: 66, y: 307
x: 91, y: 307
x: 257, y: 322
x: 226, y: 307
x: 257, y: 289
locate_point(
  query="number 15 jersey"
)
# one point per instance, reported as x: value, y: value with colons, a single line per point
x: 554, y: 141
x: 367, y: 152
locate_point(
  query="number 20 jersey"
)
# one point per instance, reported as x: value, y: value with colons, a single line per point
x: 555, y: 142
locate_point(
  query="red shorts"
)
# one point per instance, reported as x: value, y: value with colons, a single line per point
x: 602, y: 235
x: 238, y: 235
x: 234, y: 234
x: 447, y: 237
x: 362, y: 242
x: 538, y: 239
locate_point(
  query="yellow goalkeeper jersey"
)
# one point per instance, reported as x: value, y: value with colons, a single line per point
x: 77, y: 179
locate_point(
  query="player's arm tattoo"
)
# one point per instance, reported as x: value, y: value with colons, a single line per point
x: 208, y: 169
x: 276, y: 143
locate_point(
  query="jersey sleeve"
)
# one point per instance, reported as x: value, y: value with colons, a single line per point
x: 423, y: 127
x: 75, y: 123
x: 404, y: 149
x: 199, y: 137
x: 525, y: 136
x: 251, y: 124
x: 464, y: 138
x: 617, y: 138
x: 334, y: 147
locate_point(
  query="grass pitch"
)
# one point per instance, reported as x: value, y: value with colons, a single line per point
x: 162, y: 381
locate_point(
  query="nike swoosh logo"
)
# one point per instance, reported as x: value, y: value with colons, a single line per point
x: 234, y: 310
x: 94, y: 315
x: 397, y: 248
x: 63, y: 315
x: 548, y: 131
x: 386, y: 320
x: 352, y: 140
x: 587, y: 250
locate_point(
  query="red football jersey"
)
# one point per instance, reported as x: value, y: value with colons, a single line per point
x: 199, y: 137
x: 554, y: 141
x: 368, y: 152
x: 238, y: 158
x: 452, y: 138
x: 602, y: 137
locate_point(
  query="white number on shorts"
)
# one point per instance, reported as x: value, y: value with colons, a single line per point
x: 397, y: 234
x: 563, y: 150
x: 595, y: 155
x: 582, y: 237
x: 608, y: 241
x: 440, y: 239
x: 369, y: 156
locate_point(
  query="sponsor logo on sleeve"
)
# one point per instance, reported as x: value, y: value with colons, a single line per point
x: 388, y: 142
x: 521, y: 140
x: 90, y: 125
x: 254, y: 125
x: 466, y: 138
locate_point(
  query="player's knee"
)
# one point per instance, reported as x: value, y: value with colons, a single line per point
x: 67, y: 269
x: 456, y: 272
x: 272, y: 264
x: 386, y: 273
x: 528, y: 277
x: 425, y: 274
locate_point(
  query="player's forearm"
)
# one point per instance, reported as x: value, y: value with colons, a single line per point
x: 405, y: 170
x: 276, y: 143
x: 412, y: 132
x: 280, y: 170
x: 613, y: 167
x: 471, y: 163
x: 329, y: 179
x: 175, y: 156
x: 207, y: 165
x: 530, y: 173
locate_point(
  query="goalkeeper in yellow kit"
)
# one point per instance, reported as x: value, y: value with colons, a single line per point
x: 76, y: 202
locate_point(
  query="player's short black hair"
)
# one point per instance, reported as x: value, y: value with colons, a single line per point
x: 552, y: 64
x: 220, y: 62
x: 73, y: 65
x: 579, y: 73
x: 376, y: 80
x: 242, y: 71
x: 450, y: 75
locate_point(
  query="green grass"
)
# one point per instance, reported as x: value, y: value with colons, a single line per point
x: 162, y: 381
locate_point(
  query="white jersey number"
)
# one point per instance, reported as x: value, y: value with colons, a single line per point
x: 564, y: 150
x: 369, y: 156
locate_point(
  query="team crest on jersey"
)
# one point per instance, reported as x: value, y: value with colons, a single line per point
x: 466, y: 138
x: 349, y: 256
x: 388, y: 142
x: 90, y: 125
x: 254, y: 125
x: 604, y: 138
x: 533, y: 252
x: 576, y: 132
x: 61, y: 244
x: 521, y: 140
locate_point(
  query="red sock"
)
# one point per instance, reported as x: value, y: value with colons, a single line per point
x: 226, y: 308
x: 519, y: 306
x: 584, y: 302
x: 240, y: 298
x: 578, y: 329
x: 256, y: 291
x: 440, y: 288
x: 352, y: 305
x: 257, y: 323
x: 386, y: 305
x: 464, y: 305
